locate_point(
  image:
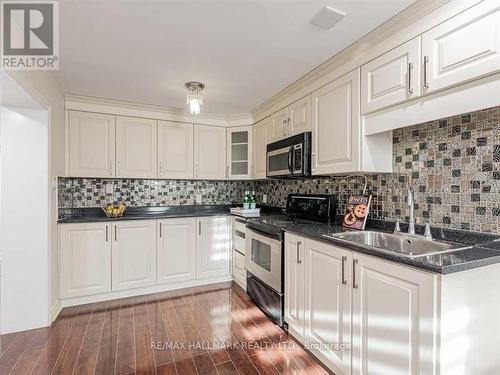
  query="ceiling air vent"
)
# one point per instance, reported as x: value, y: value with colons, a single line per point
x: 327, y: 18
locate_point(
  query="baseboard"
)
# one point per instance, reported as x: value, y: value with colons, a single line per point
x: 74, y: 301
x: 56, y: 309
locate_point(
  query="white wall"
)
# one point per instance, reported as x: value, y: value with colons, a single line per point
x: 24, y: 219
x: 44, y: 88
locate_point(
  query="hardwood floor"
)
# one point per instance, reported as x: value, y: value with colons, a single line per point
x: 204, y: 330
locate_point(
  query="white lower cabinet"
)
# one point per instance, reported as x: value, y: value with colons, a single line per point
x: 100, y: 258
x: 212, y: 247
x: 176, y: 250
x: 134, y: 254
x: 359, y: 314
x: 328, y: 298
x: 393, y: 318
x: 294, y: 284
x: 85, y: 260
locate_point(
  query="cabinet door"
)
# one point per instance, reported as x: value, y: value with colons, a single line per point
x: 328, y: 304
x: 294, y: 284
x: 279, y: 122
x: 91, y: 146
x: 239, y: 153
x: 464, y: 48
x: 175, y: 150
x: 213, y: 247
x: 85, y: 255
x: 336, y: 126
x: 176, y: 255
x: 394, y: 311
x: 259, y: 148
x: 209, y: 152
x: 136, y: 147
x: 391, y: 78
x: 134, y: 254
x: 299, y: 116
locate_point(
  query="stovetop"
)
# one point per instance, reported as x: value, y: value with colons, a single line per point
x: 300, y: 209
x: 272, y: 225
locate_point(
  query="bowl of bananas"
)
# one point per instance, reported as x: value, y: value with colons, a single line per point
x: 112, y: 211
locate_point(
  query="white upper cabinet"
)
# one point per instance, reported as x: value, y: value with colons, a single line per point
x: 134, y: 254
x: 175, y: 150
x: 136, y: 147
x: 278, y: 126
x: 391, y: 78
x: 464, y: 48
x: 213, y: 247
x: 259, y: 148
x: 91, y: 145
x: 394, y: 310
x: 239, y: 153
x: 299, y: 116
x: 336, y: 129
x: 85, y: 259
x: 176, y: 252
x: 328, y: 304
x: 294, y: 119
x: 209, y: 152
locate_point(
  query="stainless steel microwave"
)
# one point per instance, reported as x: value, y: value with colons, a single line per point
x: 290, y: 157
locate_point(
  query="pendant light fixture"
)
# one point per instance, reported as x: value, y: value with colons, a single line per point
x: 194, y: 99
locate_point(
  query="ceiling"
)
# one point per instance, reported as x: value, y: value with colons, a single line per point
x: 12, y: 94
x: 245, y: 51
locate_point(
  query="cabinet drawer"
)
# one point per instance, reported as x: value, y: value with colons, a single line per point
x: 239, y: 265
x: 239, y: 226
x: 239, y: 243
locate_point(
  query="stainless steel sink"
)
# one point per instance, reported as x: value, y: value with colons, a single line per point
x: 411, y: 246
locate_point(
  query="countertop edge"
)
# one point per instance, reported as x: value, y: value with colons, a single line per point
x: 412, y: 262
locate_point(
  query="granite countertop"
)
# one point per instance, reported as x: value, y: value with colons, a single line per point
x: 95, y: 214
x: 480, y: 249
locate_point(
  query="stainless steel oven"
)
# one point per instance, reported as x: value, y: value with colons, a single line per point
x: 264, y: 258
x: 290, y: 157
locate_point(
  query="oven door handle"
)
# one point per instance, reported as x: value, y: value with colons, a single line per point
x: 290, y: 160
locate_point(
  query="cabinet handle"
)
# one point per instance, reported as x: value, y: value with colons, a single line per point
x: 298, y: 252
x: 410, y: 68
x: 107, y: 234
x: 116, y: 235
x: 110, y: 168
x: 289, y: 122
x: 426, y: 61
x: 118, y: 168
x: 199, y: 228
x: 160, y: 230
x: 344, y: 281
x: 354, y: 262
x: 161, y: 168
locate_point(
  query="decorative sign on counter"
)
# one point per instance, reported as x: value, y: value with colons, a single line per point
x: 357, y: 212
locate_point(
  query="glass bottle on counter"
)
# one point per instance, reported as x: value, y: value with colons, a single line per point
x: 253, y: 203
x: 246, y: 200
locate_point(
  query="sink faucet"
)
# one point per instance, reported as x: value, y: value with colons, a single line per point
x: 411, y: 221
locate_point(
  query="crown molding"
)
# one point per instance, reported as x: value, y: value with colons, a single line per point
x: 132, y: 109
x: 409, y: 23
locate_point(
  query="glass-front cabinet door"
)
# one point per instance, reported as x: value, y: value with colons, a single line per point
x: 239, y: 153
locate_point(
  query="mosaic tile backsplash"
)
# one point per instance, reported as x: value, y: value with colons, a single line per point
x: 453, y: 166
x: 91, y: 192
